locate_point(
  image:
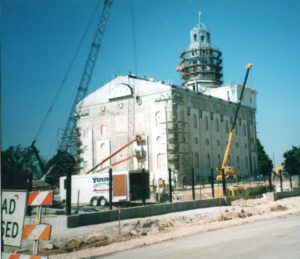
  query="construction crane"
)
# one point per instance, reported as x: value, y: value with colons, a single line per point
x: 229, y: 171
x: 70, y: 134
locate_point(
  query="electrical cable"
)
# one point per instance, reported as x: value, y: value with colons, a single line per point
x: 133, y: 36
x: 62, y: 84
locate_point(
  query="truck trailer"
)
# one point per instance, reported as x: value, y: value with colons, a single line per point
x: 93, y: 189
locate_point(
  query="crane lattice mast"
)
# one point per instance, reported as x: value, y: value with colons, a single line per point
x: 70, y: 134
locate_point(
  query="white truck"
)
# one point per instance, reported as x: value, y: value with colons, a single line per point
x: 93, y: 189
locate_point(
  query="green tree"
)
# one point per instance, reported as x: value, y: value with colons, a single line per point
x: 16, y: 163
x: 292, y: 161
x: 61, y: 162
x: 265, y: 164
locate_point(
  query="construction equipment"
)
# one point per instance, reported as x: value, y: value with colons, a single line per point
x: 70, y: 134
x: 229, y: 171
x: 41, y: 183
x: 139, y: 154
x: 36, y: 153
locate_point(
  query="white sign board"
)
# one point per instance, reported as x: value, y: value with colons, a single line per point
x: 13, y: 206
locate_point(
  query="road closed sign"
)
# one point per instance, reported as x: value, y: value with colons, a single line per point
x: 13, y: 207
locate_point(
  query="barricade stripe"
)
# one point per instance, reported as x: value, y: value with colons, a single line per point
x: 49, y: 199
x: 32, y: 257
x: 36, y: 232
x: 21, y: 256
x: 10, y: 256
x: 45, y: 235
x: 31, y: 197
x: 27, y: 231
x: 40, y: 198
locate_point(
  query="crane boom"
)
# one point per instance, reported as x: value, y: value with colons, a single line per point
x: 69, y: 134
x: 36, y: 153
x: 232, y: 131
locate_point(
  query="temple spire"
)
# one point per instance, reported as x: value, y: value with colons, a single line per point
x: 199, y: 17
x: 201, y: 64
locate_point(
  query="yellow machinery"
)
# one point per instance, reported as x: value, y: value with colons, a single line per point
x: 229, y: 171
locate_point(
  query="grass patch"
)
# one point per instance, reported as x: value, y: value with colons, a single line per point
x: 250, y: 193
x: 279, y: 207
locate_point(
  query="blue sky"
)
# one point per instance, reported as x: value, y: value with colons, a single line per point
x: 146, y: 37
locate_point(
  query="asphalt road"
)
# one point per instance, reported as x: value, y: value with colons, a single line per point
x: 275, y: 238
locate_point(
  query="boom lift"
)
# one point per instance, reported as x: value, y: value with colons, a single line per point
x: 139, y: 155
x: 229, y: 171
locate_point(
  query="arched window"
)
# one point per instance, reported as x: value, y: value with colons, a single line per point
x: 161, y: 161
x: 254, y: 164
x: 238, y: 162
x: 217, y: 125
x: 206, y: 123
x: 244, y: 130
x: 208, y: 161
x: 196, y: 160
x: 219, y: 159
x: 181, y: 116
x: 207, y: 142
x: 103, y: 130
x: 226, y: 127
x: 157, y: 119
x: 85, y: 164
x: 159, y: 146
x: 194, y: 121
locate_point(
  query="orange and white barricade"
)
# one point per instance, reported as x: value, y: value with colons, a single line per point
x: 21, y: 256
x: 38, y: 231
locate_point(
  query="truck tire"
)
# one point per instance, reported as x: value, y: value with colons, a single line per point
x: 95, y: 201
x: 103, y: 202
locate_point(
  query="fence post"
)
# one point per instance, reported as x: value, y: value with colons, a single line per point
x: 193, y: 183
x: 29, y: 209
x: 78, y: 197
x: 110, y: 188
x: 224, y: 182
x: 270, y: 181
x: 212, y: 182
x: 291, y: 183
x: 170, y: 185
x: 143, y: 187
x: 280, y: 178
x: 68, y: 192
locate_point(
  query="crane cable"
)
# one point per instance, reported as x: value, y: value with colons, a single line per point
x: 62, y: 84
x: 133, y: 36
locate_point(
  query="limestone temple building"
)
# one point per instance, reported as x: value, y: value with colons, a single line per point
x: 185, y: 127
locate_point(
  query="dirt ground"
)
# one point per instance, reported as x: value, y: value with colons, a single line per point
x: 112, y: 237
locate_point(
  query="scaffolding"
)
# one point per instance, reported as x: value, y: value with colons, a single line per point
x: 178, y: 144
x: 203, y: 65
